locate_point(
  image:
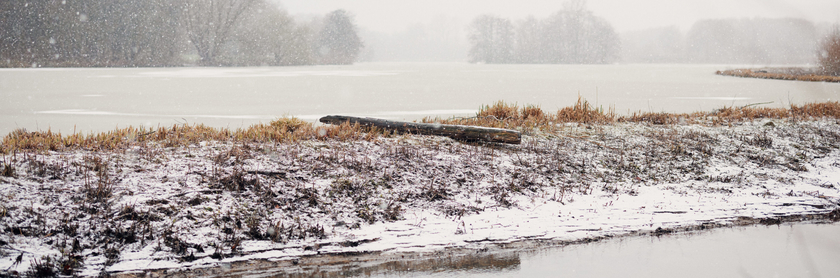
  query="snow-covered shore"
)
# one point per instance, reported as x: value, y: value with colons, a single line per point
x: 183, y: 208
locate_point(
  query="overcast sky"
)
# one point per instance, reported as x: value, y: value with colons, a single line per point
x: 625, y: 15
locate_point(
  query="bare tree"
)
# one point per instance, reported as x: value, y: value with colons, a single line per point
x: 209, y: 24
x: 83, y: 33
x: 572, y: 35
x: 135, y: 33
x: 338, y: 41
x: 601, y: 43
x: 575, y: 18
x: 829, y: 52
x: 24, y: 32
x: 528, y: 49
x: 491, y: 39
x: 270, y: 37
x: 90, y: 33
x: 575, y: 36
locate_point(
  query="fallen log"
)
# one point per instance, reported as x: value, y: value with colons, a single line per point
x: 458, y: 132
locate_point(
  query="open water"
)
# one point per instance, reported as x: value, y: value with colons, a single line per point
x: 100, y: 99
x: 787, y: 250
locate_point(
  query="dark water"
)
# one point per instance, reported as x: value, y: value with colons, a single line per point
x: 788, y: 250
x: 102, y: 99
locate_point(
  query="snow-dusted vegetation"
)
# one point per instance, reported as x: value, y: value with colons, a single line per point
x: 191, y: 198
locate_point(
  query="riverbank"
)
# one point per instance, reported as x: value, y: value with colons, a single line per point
x: 192, y: 199
x: 512, y: 257
x: 800, y: 74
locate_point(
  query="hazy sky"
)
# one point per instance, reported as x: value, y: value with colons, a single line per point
x: 395, y: 15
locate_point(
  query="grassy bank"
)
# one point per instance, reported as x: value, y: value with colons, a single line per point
x: 192, y: 196
x: 782, y: 74
x: 529, y: 119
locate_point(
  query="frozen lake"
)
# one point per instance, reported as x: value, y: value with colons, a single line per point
x: 99, y: 99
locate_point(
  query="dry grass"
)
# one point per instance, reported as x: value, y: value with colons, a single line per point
x: 505, y: 115
x: 583, y: 112
x: 499, y: 115
x: 783, y: 76
x: 280, y: 130
x: 731, y: 114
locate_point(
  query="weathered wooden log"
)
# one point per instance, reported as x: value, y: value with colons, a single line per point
x: 458, y: 132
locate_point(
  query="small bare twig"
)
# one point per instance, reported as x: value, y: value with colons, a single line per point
x: 755, y: 104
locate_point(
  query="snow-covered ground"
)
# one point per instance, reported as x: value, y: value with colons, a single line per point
x: 207, y: 205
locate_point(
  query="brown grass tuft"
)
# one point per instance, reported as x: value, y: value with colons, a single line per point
x: 500, y: 111
x: 532, y: 112
x: 741, y: 114
x: 583, y: 112
x: 829, y: 109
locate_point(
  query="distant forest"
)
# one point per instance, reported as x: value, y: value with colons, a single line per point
x: 731, y: 41
x: 152, y: 33
x: 575, y: 36
x: 571, y: 36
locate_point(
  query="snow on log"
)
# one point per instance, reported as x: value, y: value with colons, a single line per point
x: 458, y: 132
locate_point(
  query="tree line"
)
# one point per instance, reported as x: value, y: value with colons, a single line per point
x: 572, y: 35
x: 152, y: 33
x: 727, y: 41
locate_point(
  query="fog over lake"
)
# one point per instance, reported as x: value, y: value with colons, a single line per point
x: 101, y: 99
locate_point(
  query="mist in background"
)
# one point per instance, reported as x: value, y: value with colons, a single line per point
x: 726, y: 41
x: 442, y: 39
x: 650, y: 31
x: 157, y: 33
